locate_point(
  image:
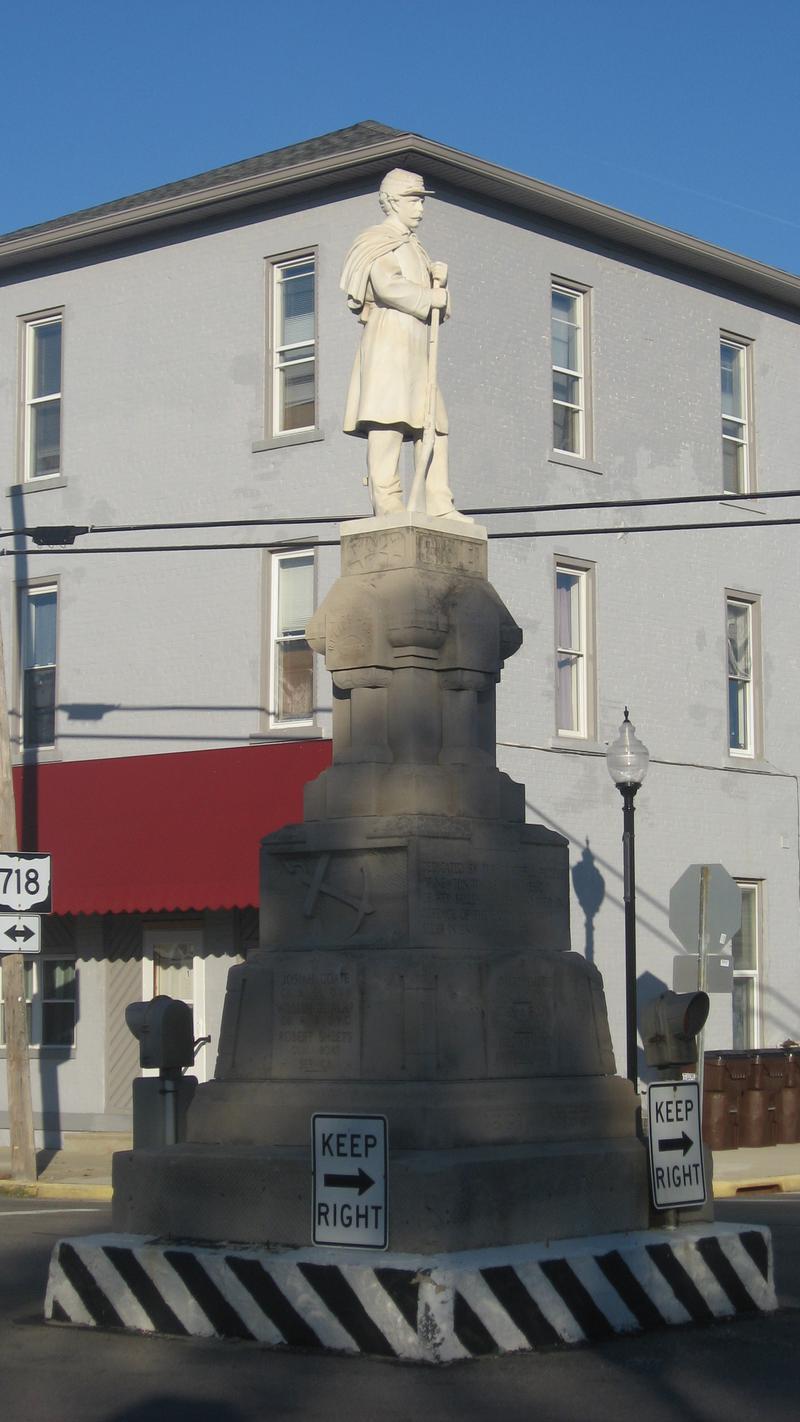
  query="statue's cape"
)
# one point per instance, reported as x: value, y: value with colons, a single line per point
x: 365, y: 251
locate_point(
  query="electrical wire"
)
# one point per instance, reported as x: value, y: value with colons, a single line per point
x: 282, y: 544
x: 307, y: 520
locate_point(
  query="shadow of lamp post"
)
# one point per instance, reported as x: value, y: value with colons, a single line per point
x: 627, y: 759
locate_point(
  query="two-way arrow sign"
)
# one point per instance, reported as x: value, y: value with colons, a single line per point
x: 20, y: 933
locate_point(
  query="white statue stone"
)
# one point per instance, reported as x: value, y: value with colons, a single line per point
x: 399, y: 294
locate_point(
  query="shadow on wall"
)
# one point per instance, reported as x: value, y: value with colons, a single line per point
x: 590, y: 890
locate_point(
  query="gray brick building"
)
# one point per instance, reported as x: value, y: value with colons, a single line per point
x: 181, y: 357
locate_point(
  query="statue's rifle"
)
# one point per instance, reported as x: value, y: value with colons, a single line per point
x: 416, y: 497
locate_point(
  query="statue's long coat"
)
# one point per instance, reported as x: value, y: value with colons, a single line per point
x: 387, y: 278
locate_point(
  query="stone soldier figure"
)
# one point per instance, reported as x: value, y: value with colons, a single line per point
x: 389, y: 281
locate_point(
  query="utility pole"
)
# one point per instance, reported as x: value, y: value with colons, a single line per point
x: 20, y: 1111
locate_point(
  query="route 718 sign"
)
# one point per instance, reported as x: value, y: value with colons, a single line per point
x: 677, y: 1176
x: 25, y: 883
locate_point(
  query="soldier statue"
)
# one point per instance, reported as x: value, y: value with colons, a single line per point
x: 399, y: 295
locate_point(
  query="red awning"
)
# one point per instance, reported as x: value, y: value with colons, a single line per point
x: 162, y: 832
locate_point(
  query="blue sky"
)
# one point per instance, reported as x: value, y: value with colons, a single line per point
x: 684, y: 113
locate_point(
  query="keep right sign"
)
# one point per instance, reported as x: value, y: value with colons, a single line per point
x: 677, y: 1176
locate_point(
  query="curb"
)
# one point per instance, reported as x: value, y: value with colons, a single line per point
x: 782, y: 1184
x: 53, y: 1190
x: 430, y: 1309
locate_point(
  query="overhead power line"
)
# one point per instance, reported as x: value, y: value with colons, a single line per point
x: 281, y: 544
x: 65, y: 534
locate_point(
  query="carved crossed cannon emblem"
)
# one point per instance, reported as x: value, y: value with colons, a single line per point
x: 316, y: 883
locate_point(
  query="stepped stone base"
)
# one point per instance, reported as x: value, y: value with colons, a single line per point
x: 438, y: 1199
x: 429, y: 1308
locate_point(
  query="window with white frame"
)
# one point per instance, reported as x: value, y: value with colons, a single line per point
x: 42, y: 397
x: 734, y: 362
x: 52, y: 1001
x: 742, y: 628
x: 293, y: 395
x: 574, y: 649
x: 568, y: 352
x: 746, y: 947
x: 292, y: 603
x: 38, y: 609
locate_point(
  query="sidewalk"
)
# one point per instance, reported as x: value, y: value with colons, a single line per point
x: 82, y: 1169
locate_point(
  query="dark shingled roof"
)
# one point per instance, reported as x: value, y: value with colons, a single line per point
x: 342, y: 140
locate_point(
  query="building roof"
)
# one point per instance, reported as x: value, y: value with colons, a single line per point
x: 364, y: 151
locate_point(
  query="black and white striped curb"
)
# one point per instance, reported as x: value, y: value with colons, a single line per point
x: 428, y: 1309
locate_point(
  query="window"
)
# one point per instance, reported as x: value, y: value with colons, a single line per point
x: 42, y: 397
x: 174, y: 965
x: 568, y: 310
x: 742, y: 629
x: 746, y: 954
x: 734, y: 360
x: 292, y: 602
x: 51, y: 995
x: 293, y: 400
x: 38, y: 613
x: 575, y: 711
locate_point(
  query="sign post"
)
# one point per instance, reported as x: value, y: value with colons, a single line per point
x: 350, y: 1194
x: 677, y: 1174
x: 705, y: 910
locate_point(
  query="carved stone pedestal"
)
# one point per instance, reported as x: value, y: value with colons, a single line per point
x: 414, y: 958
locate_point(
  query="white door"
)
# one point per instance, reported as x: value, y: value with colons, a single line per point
x: 173, y: 965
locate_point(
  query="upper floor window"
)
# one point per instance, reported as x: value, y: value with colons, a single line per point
x: 293, y: 392
x: 746, y: 946
x: 568, y: 313
x: 291, y: 696
x: 743, y: 688
x: 42, y: 397
x: 38, y: 615
x: 575, y: 698
x: 737, y: 454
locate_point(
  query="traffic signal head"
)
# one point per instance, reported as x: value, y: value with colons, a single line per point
x: 165, y: 1031
x: 670, y: 1027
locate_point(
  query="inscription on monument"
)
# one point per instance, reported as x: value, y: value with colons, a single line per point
x: 462, y: 555
x: 315, y: 1020
x: 450, y: 894
x: 373, y: 552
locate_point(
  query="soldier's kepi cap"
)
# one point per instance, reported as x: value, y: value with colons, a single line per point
x: 400, y: 183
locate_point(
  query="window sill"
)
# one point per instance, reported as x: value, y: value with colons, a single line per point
x: 307, y: 732
x: 282, y: 441
x: 572, y: 461
x: 35, y: 1050
x: 35, y: 486
x: 755, y: 763
x: 36, y: 756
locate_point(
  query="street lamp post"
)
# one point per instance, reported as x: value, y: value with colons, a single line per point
x: 627, y: 759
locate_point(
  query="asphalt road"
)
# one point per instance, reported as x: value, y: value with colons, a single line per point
x: 728, y: 1372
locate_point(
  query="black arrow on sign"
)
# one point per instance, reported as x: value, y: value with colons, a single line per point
x: 16, y: 933
x: 360, y: 1182
x: 681, y: 1142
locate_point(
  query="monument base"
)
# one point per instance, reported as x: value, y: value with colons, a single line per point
x: 425, y: 1308
x: 439, y: 1199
